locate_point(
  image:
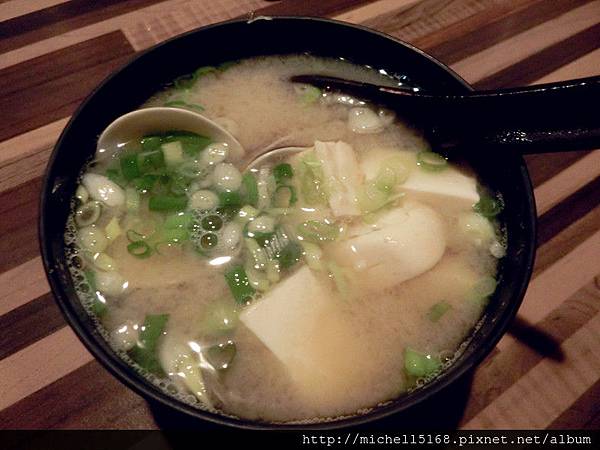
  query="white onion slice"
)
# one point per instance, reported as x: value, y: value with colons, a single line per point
x: 102, y: 189
x: 215, y: 153
x: 227, y: 177
x: 125, y: 336
x: 111, y: 283
x: 364, y: 121
x: 93, y: 239
x: 204, y: 200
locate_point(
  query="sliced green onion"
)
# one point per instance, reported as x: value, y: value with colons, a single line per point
x: 204, y: 70
x: 167, y: 203
x: 179, y: 184
x: 309, y: 94
x: 285, y: 196
x: 311, y: 185
x: 139, y: 249
x: 98, y: 305
x: 150, y: 160
x: 339, y: 278
x: 179, y: 220
x: 419, y: 364
x: 386, y: 179
x: 250, y: 188
x: 256, y: 253
x: 104, y: 262
x: 221, y: 317
x: 431, y: 161
x: 145, y: 183
x: 488, y: 206
x: 132, y: 199
x: 289, y: 255
x: 261, y: 224
x: 371, y: 198
x: 88, y: 213
x: 144, y: 353
x: 282, y: 172
x: 134, y: 236
x: 272, y: 270
x: 151, y: 143
x: 185, y: 81
x: 313, y: 255
x: 192, y: 169
x: 436, y: 312
x: 129, y: 166
x: 239, y: 285
x: 315, y: 231
x: 483, y: 288
x: 183, y: 104
x: 247, y: 213
x: 175, y: 235
x: 227, y: 198
x: 115, y: 176
x: 113, y: 229
x: 191, y: 143
x: 257, y: 280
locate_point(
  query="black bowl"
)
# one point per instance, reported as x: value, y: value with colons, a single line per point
x: 129, y: 87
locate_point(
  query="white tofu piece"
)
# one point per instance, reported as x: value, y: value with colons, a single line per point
x: 300, y: 322
x: 343, y: 176
x: 448, y: 188
x: 403, y: 244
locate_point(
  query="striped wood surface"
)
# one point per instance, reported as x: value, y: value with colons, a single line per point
x: 544, y: 374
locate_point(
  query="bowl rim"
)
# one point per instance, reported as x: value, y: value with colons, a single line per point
x: 122, y: 372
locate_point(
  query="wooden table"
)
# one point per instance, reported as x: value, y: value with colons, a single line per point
x: 544, y: 374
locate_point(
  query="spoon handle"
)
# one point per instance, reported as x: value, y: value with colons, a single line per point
x: 535, y: 119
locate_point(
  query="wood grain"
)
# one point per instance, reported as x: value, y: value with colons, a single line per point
x: 544, y: 374
x: 73, y: 72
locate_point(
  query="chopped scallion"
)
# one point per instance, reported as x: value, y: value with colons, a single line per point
x: 145, y: 183
x: 315, y: 231
x: 282, y: 172
x: 488, y: 206
x: 151, y: 143
x: 431, y: 161
x: 239, y: 285
x: 179, y: 220
x: 285, y: 196
x: 144, y: 353
x: 436, y: 312
x: 227, y: 198
x: 167, y: 202
x: 139, y: 249
x: 183, y: 104
x: 250, y: 187
x: 129, y: 166
x: 419, y: 364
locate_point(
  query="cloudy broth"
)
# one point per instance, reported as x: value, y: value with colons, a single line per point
x: 315, y: 285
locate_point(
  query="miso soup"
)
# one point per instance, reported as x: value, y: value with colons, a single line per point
x: 314, y: 284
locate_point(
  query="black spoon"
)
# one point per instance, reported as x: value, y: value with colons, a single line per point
x: 562, y: 116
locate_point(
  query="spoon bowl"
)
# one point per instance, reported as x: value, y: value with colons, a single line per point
x: 133, y: 125
x: 277, y: 153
